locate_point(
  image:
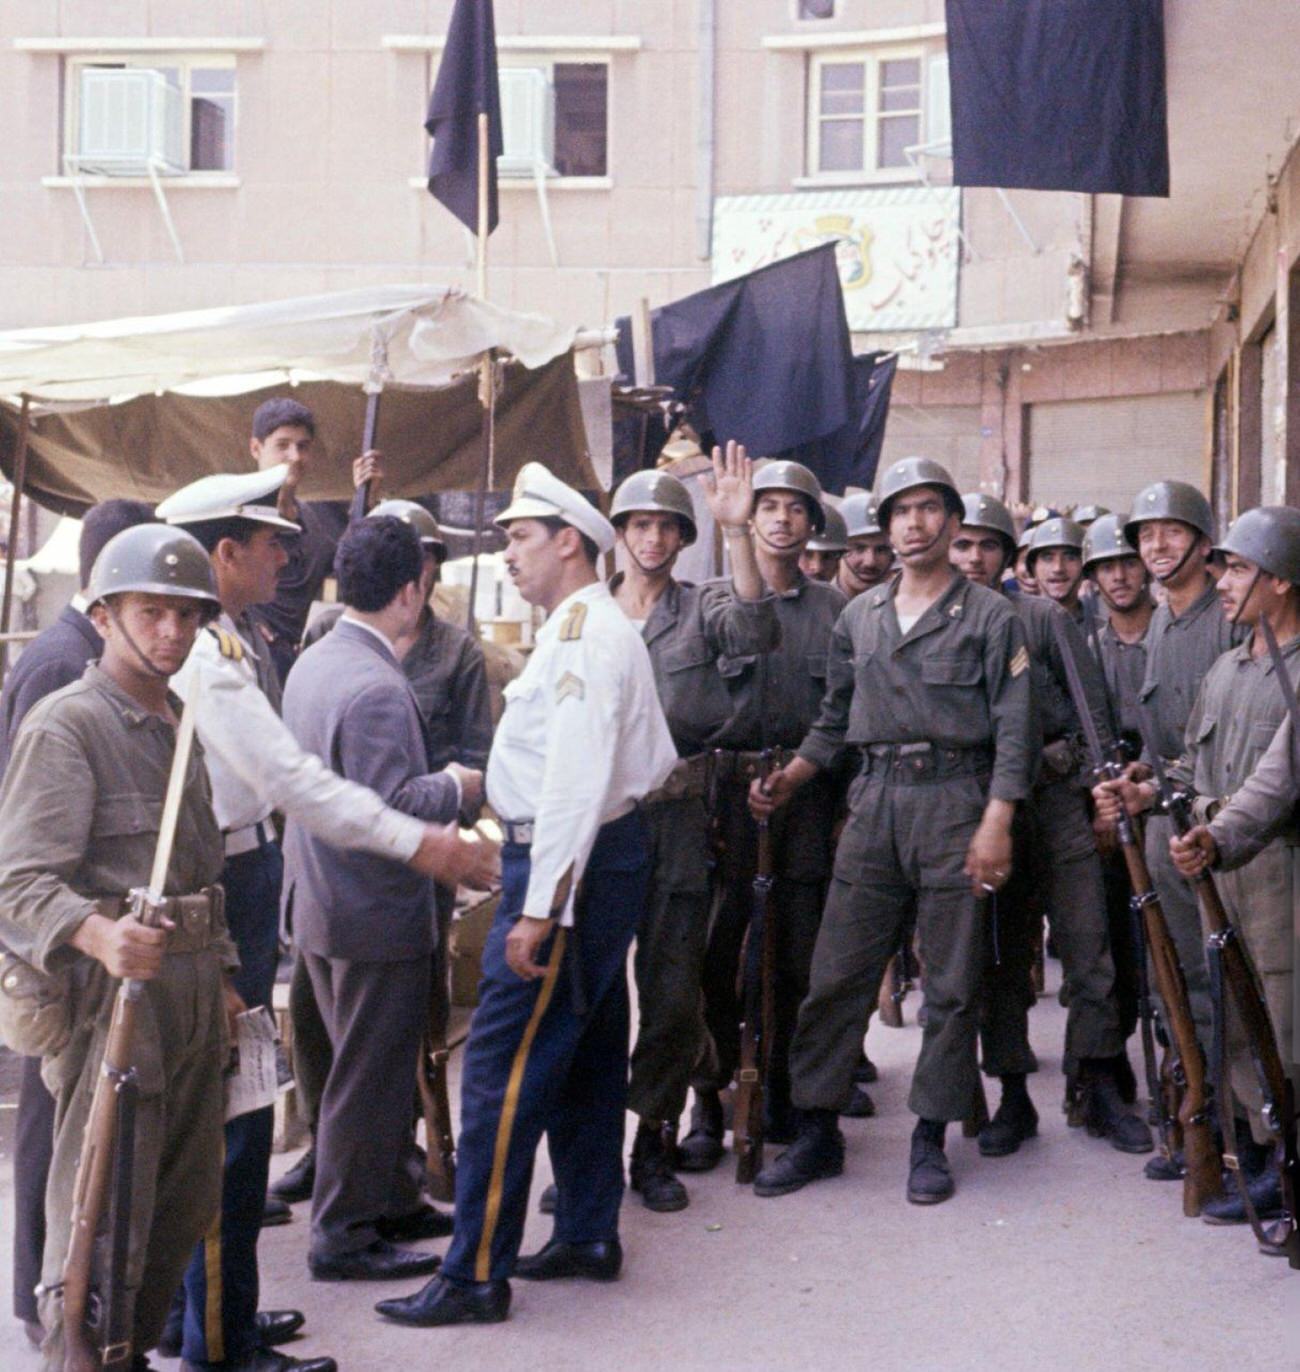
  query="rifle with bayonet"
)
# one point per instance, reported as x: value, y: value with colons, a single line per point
x: 758, y: 976
x: 1189, y: 1124
x: 97, y: 1327
x: 1233, y: 979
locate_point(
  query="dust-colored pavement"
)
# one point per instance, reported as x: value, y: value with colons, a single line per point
x: 1061, y: 1257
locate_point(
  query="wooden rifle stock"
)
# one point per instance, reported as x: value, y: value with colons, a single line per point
x: 1233, y: 978
x: 759, y: 1010
x: 892, y: 990
x: 435, y: 1106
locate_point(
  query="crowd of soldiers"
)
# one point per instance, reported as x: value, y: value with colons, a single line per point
x: 871, y: 743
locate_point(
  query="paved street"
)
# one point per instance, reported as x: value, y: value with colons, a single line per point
x: 1062, y: 1257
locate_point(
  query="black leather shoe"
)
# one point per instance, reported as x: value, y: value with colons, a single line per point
x: 929, y: 1178
x: 276, y: 1326
x: 428, y: 1222
x: 865, y: 1072
x: 600, y: 1261
x: 817, y: 1152
x: 1163, y: 1167
x: 275, y: 1211
x: 273, y: 1326
x: 443, y: 1301
x: 860, y: 1106
x: 382, y: 1261
x: 650, y: 1172
x: 701, y: 1150
x: 264, y: 1360
x: 1105, y: 1116
x: 296, y: 1184
x: 1265, y: 1194
x: 1010, y: 1126
x: 548, y: 1200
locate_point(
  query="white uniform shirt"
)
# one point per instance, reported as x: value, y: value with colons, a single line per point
x: 582, y: 739
x: 256, y: 765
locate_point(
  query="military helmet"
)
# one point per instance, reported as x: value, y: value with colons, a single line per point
x: 1170, y: 500
x: 834, y: 538
x: 1056, y: 532
x: 1026, y: 537
x: 1104, y: 540
x: 652, y: 492
x: 1270, y: 538
x: 987, y: 512
x: 859, y: 511
x: 413, y: 513
x: 1089, y: 514
x: 784, y: 475
x: 155, y: 559
x: 908, y: 473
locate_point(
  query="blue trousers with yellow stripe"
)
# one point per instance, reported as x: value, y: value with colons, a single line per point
x: 546, y: 1058
x: 221, y: 1281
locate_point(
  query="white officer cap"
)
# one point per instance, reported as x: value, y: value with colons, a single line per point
x: 230, y: 495
x: 539, y: 495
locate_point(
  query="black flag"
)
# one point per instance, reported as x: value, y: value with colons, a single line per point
x: 764, y: 359
x: 850, y: 456
x: 466, y: 87
x: 1059, y: 95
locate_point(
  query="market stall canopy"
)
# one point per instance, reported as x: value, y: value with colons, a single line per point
x: 138, y: 407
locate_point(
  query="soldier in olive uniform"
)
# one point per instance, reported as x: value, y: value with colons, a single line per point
x: 774, y: 698
x: 687, y: 629
x: 1237, y: 712
x: 1055, y: 561
x: 929, y: 679
x: 79, y: 817
x: 1119, y: 642
x: 824, y: 551
x: 869, y: 557
x: 1059, y: 866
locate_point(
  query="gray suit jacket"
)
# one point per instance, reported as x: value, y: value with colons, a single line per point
x: 347, y: 701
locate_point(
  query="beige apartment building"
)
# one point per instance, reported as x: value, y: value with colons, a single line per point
x: 163, y: 155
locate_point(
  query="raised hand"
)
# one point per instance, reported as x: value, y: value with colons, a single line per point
x: 730, y: 491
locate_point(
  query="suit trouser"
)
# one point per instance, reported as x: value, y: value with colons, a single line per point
x: 33, y: 1144
x: 549, y: 1056
x: 375, y: 1013
x: 1183, y: 916
x: 901, y: 843
x: 670, y: 944
x: 221, y: 1282
x: 1260, y: 900
x: 802, y: 835
x: 180, y: 1050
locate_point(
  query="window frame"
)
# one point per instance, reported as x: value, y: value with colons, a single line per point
x: 185, y: 63
x: 871, y: 57
x: 546, y: 60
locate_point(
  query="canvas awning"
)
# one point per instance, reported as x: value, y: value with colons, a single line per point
x: 138, y: 407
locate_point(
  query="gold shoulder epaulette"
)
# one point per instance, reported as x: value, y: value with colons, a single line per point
x: 230, y: 646
x: 571, y: 629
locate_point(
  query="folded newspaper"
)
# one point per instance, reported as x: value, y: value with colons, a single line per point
x: 252, y: 1082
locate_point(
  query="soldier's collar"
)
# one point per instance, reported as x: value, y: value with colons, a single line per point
x: 133, y: 713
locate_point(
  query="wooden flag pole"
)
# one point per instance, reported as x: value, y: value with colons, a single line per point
x: 15, y: 505
x: 486, y: 386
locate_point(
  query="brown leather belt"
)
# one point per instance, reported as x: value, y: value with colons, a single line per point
x: 918, y: 764
x: 200, y: 918
x: 741, y: 767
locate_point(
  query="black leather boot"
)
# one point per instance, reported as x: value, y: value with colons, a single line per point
x: 701, y: 1150
x: 817, y: 1152
x: 1105, y: 1116
x: 1015, y: 1121
x: 929, y: 1177
x: 651, y: 1172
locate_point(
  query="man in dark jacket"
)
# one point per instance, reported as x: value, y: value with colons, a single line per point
x: 54, y: 658
x: 365, y: 925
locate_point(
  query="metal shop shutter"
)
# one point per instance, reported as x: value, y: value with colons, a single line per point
x: 948, y: 433
x: 1105, y: 451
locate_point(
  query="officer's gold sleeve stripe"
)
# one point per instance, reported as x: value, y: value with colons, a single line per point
x: 213, y: 1335
x: 509, y: 1108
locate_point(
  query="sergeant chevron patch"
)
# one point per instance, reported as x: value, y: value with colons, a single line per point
x: 1019, y: 662
x: 569, y: 685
